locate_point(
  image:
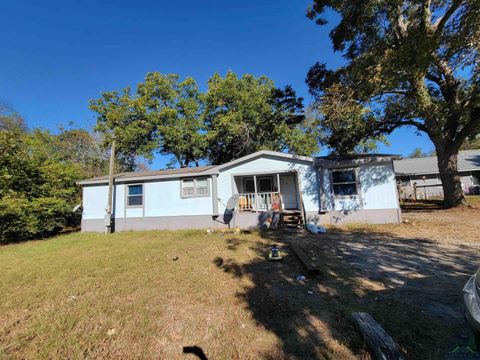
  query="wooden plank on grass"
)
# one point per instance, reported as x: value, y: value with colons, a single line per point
x: 380, y: 343
x: 310, y: 264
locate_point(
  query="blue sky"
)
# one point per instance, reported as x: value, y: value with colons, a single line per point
x: 56, y: 55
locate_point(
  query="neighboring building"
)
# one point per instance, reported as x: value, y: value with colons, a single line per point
x: 424, y: 172
x: 325, y: 190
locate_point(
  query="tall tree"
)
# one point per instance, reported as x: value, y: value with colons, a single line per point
x: 37, y: 187
x: 343, y: 120
x: 243, y: 115
x: 10, y: 120
x: 163, y: 115
x: 417, y: 153
x: 416, y: 63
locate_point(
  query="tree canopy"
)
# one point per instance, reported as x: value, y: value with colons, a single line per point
x: 38, y: 175
x: 247, y: 114
x: 234, y: 117
x: 408, y: 63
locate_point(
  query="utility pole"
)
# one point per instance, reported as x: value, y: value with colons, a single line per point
x: 108, y: 216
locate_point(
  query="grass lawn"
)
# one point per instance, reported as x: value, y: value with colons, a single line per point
x: 61, y: 298
x: 124, y: 296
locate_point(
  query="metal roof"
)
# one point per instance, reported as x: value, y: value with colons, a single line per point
x: 468, y: 160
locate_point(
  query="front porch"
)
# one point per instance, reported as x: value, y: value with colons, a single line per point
x: 267, y: 192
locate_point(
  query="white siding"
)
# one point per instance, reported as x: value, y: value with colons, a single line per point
x: 94, y: 201
x: 347, y: 203
x: 377, y: 190
x: 269, y: 164
x: 163, y: 199
x: 160, y: 198
x: 119, y: 204
x: 378, y: 187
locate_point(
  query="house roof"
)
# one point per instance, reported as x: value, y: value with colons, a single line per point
x: 154, y: 174
x: 468, y: 160
x: 342, y: 161
x: 188, y: 172
x: 265, y: 153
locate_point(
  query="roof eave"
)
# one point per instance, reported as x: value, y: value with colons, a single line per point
x: 211, y: 171
x: 265, y: 153
x: 332, y: 162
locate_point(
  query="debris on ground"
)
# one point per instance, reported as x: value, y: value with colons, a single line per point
x: 300, y: 277
x: 111, y: 332
x: 314, y: 229
x: 378, y: 340
x: 307, y: 257
x: 175, y: 258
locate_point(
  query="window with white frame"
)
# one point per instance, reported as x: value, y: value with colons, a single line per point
x: 195, y: 187
x: 344, y: 182
x: 135, y: 195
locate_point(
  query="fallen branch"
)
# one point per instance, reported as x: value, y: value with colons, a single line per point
x: 381, y: 344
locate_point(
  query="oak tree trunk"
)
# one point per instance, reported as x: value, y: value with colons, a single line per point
x: 451, y: 183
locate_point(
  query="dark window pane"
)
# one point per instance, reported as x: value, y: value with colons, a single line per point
x: 345, y: 189
x: 249, y: 186
x: 265, y: 184
x: 343, y: 176
x: 135, y: 200
x: 135, y: 190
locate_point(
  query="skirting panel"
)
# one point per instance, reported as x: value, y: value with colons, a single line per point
x: 244, y: 220
x: 153, y: 223
x: 377, y: 216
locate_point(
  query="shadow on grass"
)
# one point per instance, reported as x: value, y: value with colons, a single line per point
x: 412, y: 287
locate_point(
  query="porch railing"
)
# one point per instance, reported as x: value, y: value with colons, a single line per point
x: 260, y: 201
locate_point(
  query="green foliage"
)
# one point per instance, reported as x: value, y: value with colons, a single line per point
x: 163, y: 115
x: 343, y: 122
x: 471, y: 144
x: 417, y: 153
x: 37, y: 185
x: 416, y: 64
x: 243, y: 115
x: 235, y: 117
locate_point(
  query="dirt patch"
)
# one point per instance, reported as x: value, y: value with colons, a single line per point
x: 409, y: 276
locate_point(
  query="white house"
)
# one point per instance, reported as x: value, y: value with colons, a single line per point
x: 243, y: 192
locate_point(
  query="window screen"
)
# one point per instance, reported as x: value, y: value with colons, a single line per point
x: 344, y: 182
x: 188, y: 188
x: 135, y: 195
x: 202, y: 187
x: 195, y: 187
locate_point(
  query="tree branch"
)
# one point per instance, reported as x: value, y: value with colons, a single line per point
x: 440, y: 24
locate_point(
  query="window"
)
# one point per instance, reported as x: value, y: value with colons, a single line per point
x: 265, y: 184
x: 195, y: 187
x: 135, y: 195
x: 201, y: 186
x: 344, y: 183
x: 249, y: 185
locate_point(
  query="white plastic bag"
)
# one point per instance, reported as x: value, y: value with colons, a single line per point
x: 314, y: 229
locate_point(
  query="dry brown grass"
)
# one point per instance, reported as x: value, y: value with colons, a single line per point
x: 123, y: 296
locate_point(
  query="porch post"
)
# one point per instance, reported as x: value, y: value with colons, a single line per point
x: 256, y: 193
x: 278, y: 183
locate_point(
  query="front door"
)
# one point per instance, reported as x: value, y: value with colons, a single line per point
x: 288, y: 189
